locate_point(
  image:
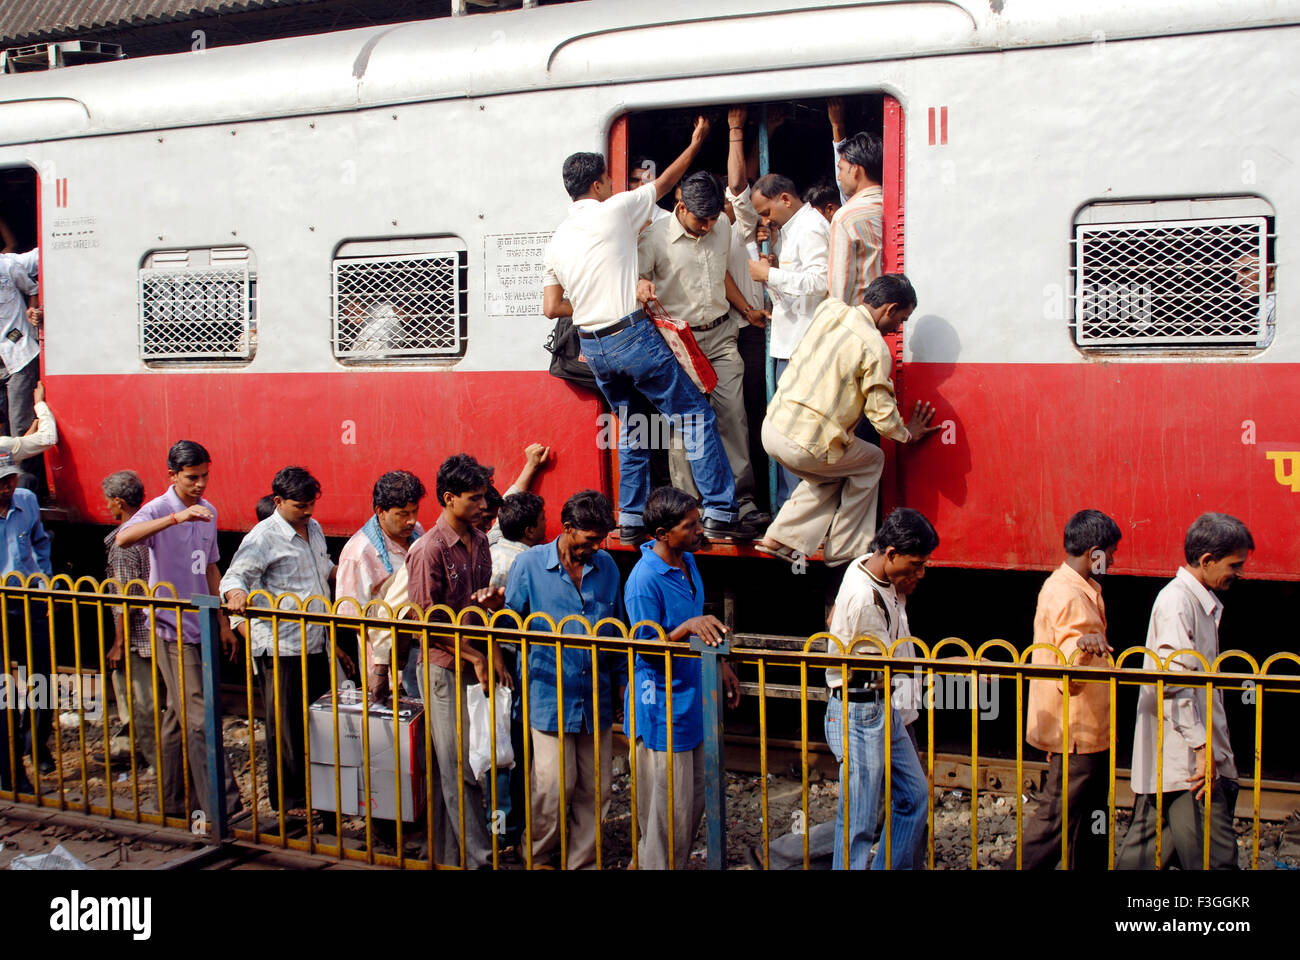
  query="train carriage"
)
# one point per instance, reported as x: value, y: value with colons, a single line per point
x: 327, y: 250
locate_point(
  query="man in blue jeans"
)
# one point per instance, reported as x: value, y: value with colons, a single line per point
x: 592, y: 259
x: 871, y: 603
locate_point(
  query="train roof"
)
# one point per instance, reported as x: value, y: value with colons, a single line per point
x: 568, y: 45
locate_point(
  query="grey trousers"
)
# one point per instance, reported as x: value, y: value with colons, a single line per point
x: 728, y: 402
x: 141, y: 700
x: 1182, y: 835
x: 173, y: 786
x: 444, y: 793
x: 19, y: 407
x: 654, y: 818
x: 19, y: 412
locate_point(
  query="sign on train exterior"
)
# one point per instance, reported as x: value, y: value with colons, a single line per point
x: 320, y: 250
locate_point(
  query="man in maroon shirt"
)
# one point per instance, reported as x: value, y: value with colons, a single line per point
x: 451, y: 565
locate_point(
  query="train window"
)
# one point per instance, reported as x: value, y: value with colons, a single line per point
x: 198, y: 304
x: 401, y: 299
x: 1187, y: 274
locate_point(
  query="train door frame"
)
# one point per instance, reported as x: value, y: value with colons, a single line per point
x: 893, y: 135
x: 38, y: 207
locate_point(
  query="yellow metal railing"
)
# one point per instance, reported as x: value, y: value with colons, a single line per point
x: 80, y: 631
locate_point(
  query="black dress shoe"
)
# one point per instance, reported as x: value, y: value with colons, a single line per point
x: 758, y: 518
x: 728, y: 530
x: 631, y: 536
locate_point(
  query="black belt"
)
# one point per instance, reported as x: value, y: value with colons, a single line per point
x: 623, y: 324
x: 712, y: 323
x: 860, y: 695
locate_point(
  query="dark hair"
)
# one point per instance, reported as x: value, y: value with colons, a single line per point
x: 1090, y: 528
x: 186, y: 453
x: 866, y: 151
x: 773, y: 185
x: 666, y: 508
x: 1217, y: 534
x: 125, y: 485
x: 460, y: 473
x: 701, y: 196
x: 908, y: 532
x: 581, y: 170
x: 295, y: 483
x: 890, y: 288
x: 821, y: 194
x: 519, y: 511
x: 588, y: 510
x: 396, y: 488
x: 265, y: 507
x: 492, y: 498
x: 640, y: 162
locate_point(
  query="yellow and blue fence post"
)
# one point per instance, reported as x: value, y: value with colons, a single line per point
x: 715, y: 793
x: 210, y: 648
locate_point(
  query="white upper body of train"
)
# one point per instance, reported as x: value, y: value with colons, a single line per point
x: 304, y: 152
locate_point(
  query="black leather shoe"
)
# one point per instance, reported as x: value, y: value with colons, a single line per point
x: 631, y: 536
x: 758, y: 518
x: 724, y: 530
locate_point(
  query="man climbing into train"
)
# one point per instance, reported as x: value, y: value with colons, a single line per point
x: 839, y: 372
x: 592, y: 260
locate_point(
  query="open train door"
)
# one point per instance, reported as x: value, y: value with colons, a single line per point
x: 891, y: 489
x: 20, y: 214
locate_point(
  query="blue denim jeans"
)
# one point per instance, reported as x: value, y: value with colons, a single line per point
x: 786, y: 481
x: 865, y: 779
x: 637, y: 359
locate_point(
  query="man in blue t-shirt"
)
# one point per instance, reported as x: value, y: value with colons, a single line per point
x: 570, y: 577
x: 664, y: 588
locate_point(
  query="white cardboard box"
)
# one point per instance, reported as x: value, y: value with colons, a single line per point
x: 408, y: 758
x: 322, y: 789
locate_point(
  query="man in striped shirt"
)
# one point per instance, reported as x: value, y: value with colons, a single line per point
x: 839, y: 372
x: 286, y: 554
x: 857, y: 231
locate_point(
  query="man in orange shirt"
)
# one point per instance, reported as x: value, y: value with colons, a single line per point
x: 1072, y: 617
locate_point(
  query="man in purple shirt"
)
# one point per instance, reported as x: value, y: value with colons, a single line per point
x: 180, y: 530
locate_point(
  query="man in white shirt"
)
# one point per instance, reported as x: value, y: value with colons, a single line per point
x: 20, y: 347
x: 1185, y: 618
x: 592, y: 258
x: 872, y: 603
x: 798, y: 284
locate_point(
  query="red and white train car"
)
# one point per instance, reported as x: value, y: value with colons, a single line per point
x: 1082, y: 194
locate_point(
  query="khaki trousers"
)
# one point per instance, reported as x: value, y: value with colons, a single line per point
x: 835, y: 502
x: 654, y: 818
x: 579, y: 795
x: 728, y: 402
x: 196, y: 744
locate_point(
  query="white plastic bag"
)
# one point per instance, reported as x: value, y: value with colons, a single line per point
x: 480, y: 730
x: 57, y: 859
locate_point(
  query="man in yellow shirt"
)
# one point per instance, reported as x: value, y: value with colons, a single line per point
x: 839, y: 371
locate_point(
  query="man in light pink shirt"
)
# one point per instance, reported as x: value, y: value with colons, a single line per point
x: 378, y: 549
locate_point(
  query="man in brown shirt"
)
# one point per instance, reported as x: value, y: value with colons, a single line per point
x: 451, y: 565
x: 1072, y: 617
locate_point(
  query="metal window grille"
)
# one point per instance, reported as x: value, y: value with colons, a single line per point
x: 400, y: 306
x: 1172, y: 283
x: 196, y: 314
